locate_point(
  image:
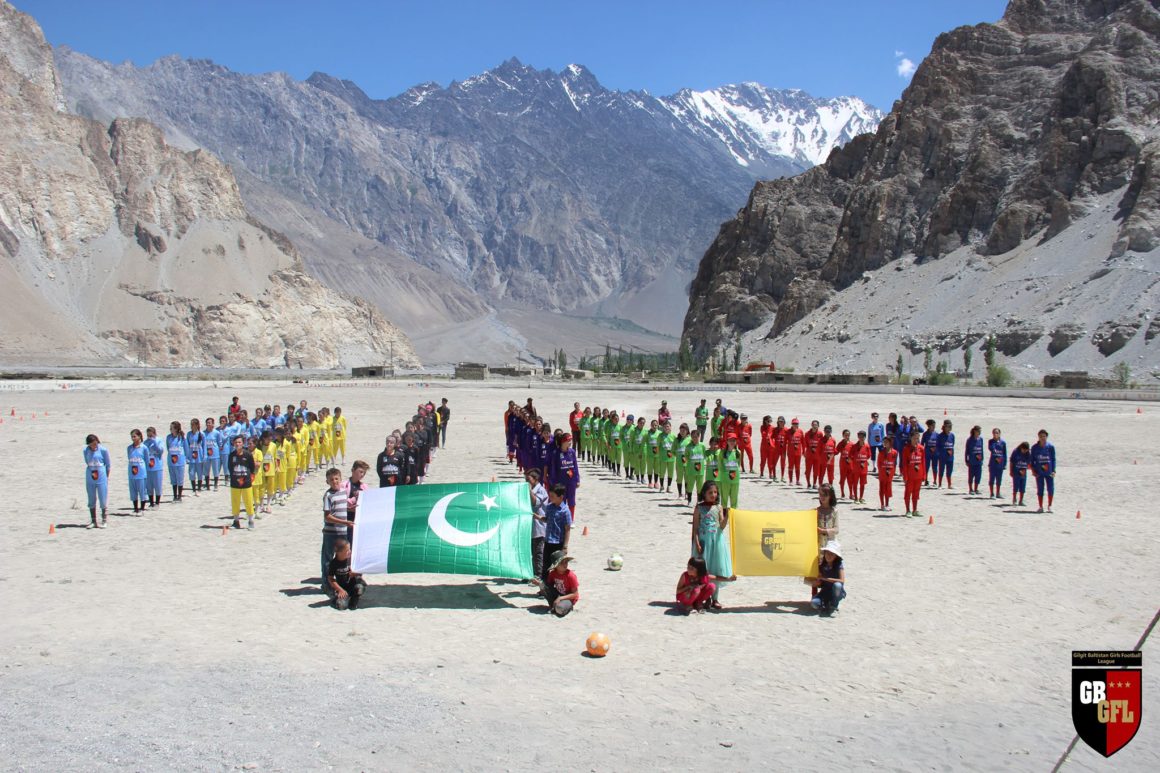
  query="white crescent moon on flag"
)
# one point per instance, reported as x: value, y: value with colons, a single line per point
x: 437, y: 521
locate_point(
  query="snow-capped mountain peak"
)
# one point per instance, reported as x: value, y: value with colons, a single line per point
x: 755, y: 122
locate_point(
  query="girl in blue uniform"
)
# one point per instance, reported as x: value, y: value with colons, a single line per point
x: 213, y: 453
x: 155, y: 466
x: 138, y: 456
x: 195, y: 454
x: 974, y: 458
x: 930, y: 446
x: 175, y: 459
x: 1043, y: 466
x: 946, y: 454
x: 996, y: 463
x: 97, y: 479
x: 1020, y: 461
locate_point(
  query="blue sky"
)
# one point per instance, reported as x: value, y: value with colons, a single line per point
x: 827, y: 48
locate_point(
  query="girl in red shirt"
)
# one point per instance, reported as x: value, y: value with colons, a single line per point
x: 695, y: 589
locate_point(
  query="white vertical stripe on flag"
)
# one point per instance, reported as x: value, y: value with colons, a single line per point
x: 372, y: 530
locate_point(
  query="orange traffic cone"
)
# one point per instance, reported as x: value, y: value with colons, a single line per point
x: 944, y: 411
x: 493, y: 479
x: 14, y: 412
x: 225, y: 530
x: 52, y: 528
x: 1077, y: 515
x: 930, y: 522
x: 1139, y: 410
x: 585, y: 532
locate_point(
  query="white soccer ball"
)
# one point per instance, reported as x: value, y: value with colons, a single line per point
x: 615, y: 561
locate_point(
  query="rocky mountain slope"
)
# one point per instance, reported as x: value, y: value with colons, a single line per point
x: 1019, y: 168
x: 115, y: 246
x: 512, y: 190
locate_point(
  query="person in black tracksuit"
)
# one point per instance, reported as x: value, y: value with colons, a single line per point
x: 410, y: 460
x: 389, y: 464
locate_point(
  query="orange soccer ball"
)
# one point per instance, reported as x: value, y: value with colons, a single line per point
x: 598, y: 645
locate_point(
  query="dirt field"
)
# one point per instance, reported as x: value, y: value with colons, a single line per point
x: 160, y: 643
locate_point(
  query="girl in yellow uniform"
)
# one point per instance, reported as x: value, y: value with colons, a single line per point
x: 259, y: 487
x: 303, y: 448
x: 340, y: 434
x: 289, y: 464
x: 311, y: 431
x: 325, y: 428
x: 270, y: 469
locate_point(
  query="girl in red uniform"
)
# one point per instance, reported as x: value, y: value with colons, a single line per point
x: 913, y: 474
x: 843, y: 450
x: 827, y: 448
x: 766, y: 448
x: 887, y: 462
x: 811, y: 453
x: 795, y: 443
x: 859, y: 468
x: 745, y: 441
x: 780, y: 437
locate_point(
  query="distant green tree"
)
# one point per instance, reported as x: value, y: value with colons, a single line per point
x: 562, y: 360
x: 1123, y: 374
x: 684, y: 356
x: 927, y: 360
x: 968, y: 356
x: 737, y: 355
x: 997, y: 374
x: 898, y: 366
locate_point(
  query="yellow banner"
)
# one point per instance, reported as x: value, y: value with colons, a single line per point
x: 774, y: 544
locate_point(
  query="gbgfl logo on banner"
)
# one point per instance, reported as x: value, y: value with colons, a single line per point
x: 1105, y: 698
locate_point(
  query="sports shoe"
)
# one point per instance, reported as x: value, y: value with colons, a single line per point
x: 906, y: 514
x: 102, y: 524
x: 1040, y: 510
x: 250, y: 523
x: 92, y: 525
x: 237, y: 524
x: 1049, y: 510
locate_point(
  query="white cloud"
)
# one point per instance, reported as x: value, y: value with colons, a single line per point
x: 905, y: 67
x: 898, y: 54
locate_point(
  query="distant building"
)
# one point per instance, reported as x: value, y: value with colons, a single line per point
x: 771, y: 377
x: 373, y: 371
x: 1077, y: 379
x: 518, y: 371
x: 471, y: 371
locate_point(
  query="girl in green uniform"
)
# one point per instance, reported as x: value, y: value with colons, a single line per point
x: 681, y: 448
x: 641, y: 449
x: 668, y: 455
x: 654, y: 454
x: 730, y: 472
x: 616, y: 444
x: 695, y: 451
x: 713, y: 462
x: 715, y: 423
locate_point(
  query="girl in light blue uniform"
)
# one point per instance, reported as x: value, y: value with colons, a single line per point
x: 213, y: 458
x: 195, y: 454
x: 138, y: 455
x: 155, y: 466
x: 97, y: 479
x: 175, y: 459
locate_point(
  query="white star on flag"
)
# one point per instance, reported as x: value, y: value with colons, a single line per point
x: 489, y: 502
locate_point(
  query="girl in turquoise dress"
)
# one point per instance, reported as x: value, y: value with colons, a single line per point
x: 710, y: 540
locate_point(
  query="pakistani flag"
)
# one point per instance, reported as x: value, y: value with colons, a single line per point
x: 483, y: 529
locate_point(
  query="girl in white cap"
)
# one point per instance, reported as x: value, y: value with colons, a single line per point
x: 830, y: 586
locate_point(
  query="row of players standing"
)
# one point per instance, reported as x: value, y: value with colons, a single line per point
x: 276, y: 450
x: 657, y: 456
